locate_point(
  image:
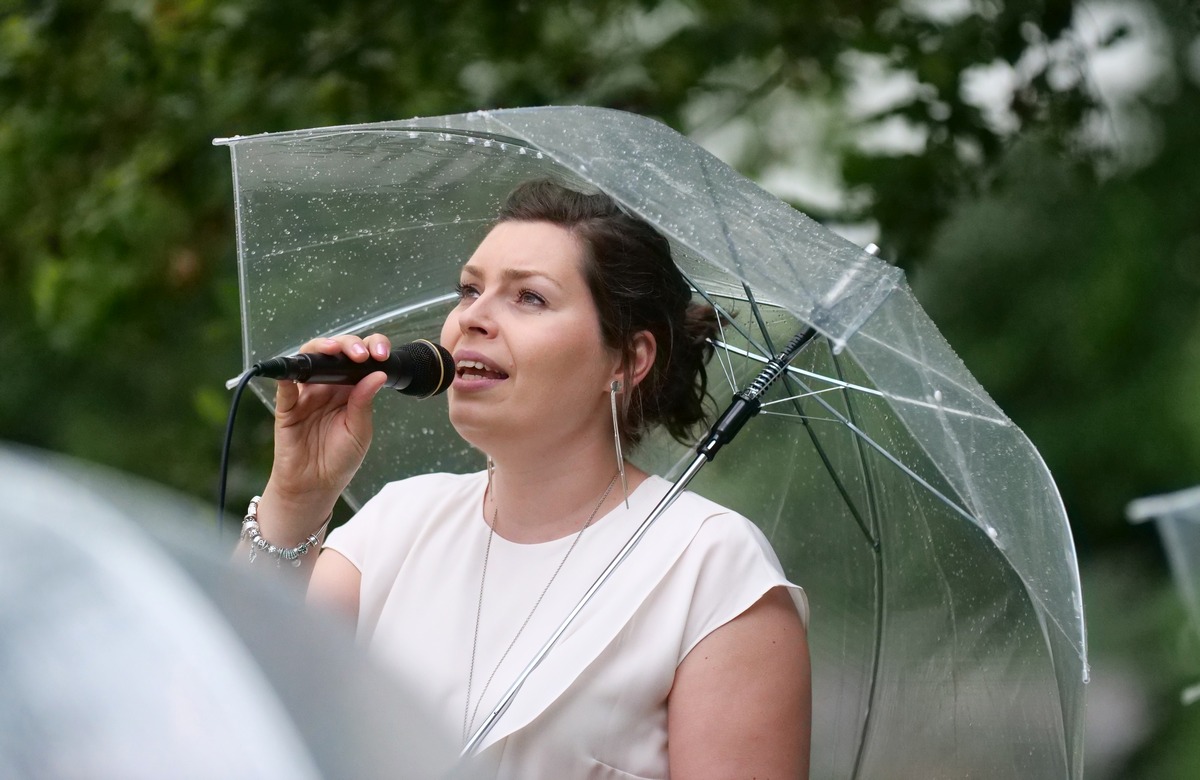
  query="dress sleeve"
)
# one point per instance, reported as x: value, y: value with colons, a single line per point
x: 735, y: 566
x: 385, y: 526
x: 354, y: 539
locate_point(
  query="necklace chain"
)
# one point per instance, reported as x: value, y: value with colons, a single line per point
x: 479, y: 607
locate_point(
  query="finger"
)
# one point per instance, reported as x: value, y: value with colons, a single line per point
x: 362, y: 394
x: 325, y: 346
x: 287, y: 394
x: 359, y: 409
x: 349, y: 344
x: 379, y: 345
x: 355, y: 347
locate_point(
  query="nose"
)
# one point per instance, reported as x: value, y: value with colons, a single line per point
x: 476, y: 316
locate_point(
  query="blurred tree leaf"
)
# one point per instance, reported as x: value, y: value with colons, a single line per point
x: 1072, y: 295
x: 116, y: 213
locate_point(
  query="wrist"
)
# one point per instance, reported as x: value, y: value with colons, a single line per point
x: 295, y: 512
x: 258, y: 544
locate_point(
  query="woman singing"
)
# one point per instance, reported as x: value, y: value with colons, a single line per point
x: 691, y: 662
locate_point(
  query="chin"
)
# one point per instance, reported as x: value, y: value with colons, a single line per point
x: 478, y: 430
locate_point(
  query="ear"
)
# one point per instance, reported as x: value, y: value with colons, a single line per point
x: 641, y: 360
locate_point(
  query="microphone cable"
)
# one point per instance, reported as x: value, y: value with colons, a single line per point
x: 421, y: 369
x: 224, y: 475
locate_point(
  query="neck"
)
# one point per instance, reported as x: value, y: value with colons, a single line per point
x: 541, y: 499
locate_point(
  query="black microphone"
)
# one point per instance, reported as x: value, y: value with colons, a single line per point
x: 420, y: 368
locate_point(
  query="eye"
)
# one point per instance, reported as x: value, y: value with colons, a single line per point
x: 466, y: 290
x: 531, y: 298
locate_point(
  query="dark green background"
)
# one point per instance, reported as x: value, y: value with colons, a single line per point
x: 1066, y: 279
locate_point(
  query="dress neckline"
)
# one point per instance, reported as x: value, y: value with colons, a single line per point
x: 636, y: 497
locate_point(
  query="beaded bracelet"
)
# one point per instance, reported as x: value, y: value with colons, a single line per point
x: 258, y: 544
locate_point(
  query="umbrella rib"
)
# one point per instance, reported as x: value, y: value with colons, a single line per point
x: 829, y: 469
x: 373, y: 234
x: 812, y: 435
x: 756, y: 310
x: 402, y: 311
x: 950, y: 503
x: 877, y: 557
x: 842, y: 420
x: 794, y: 416
x: 949, y: 380
x: 868, y: 390
x: 723, y: 358
x: 724, y: 317
x: 870, y: 491
x: 897, y: 462
x: 799, y: 396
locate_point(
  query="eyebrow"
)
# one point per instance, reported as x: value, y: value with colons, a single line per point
x: 513, y: 274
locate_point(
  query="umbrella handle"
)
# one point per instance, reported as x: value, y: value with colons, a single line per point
x: 485, y: 728
x: 744, y: 406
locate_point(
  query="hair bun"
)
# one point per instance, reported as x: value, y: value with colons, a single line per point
x: 702, y: 324
x: 636, y: 287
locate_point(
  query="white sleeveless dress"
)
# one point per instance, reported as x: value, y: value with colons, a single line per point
x: 596, y: 706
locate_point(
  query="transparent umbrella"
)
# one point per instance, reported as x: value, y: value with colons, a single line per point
x: 1177, y: 517
x: 947, y: 628
x: 128, y: 649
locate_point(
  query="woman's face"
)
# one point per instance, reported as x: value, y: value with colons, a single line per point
x: 525, y: 335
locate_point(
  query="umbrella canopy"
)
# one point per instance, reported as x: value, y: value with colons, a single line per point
x: 135, y: 655
x: 1177, y: 517
x: 947, y: 627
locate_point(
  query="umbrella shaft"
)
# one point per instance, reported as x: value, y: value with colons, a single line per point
x: 746, y: 404
x: 506, y: 700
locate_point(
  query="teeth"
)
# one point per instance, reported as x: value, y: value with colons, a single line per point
x: 475, y: 367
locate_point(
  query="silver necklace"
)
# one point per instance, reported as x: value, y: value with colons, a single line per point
x: 479, y: 607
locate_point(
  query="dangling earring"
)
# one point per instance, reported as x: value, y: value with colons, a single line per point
x: 612, y: 397
x: 491, y: 469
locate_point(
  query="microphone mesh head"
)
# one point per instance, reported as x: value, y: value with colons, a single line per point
x: 433, y: 368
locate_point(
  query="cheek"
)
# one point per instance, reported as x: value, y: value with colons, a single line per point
x: 578, y: 356
x: 449, y: 328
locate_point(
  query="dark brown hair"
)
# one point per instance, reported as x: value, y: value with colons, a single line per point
x: 637, y: 287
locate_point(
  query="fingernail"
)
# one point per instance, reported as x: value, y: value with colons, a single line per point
x: 378, y: 350
x: 358, y: 349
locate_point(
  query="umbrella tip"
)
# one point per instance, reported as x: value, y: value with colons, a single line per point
x: 232, y: 383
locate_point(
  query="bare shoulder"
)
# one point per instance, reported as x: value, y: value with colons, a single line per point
x: 741, y: 701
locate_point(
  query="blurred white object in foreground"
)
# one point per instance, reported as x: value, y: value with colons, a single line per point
x: 1177, y: 516
x: 129, y: 648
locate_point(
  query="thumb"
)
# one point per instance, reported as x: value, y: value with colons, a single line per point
x: 359, y: 409
x: 286, y: 395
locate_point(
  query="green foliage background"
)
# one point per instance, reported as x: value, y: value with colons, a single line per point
x: 1068, y: 281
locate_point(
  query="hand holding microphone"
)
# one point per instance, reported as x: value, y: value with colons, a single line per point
x: 323, y: 425
x: 420, y: 368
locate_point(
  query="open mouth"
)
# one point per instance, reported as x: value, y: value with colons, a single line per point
x: 475, y: 370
